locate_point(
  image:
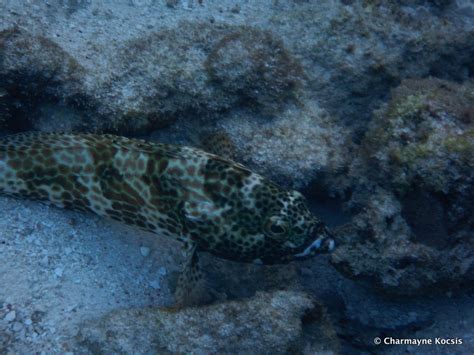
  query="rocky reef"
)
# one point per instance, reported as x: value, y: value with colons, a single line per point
x: 256, y: 67
x: 155, y: 79
x: 364, y: 106
x: 413, y: 179
x: 283, y: 149
x: 34, y: 72
x: 268, y: 323
x: 200, y: 68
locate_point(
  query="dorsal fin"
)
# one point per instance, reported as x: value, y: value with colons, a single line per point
x: 219, y: 143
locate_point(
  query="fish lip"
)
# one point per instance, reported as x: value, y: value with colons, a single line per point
x: 324, y: 244
x: 307, y: 252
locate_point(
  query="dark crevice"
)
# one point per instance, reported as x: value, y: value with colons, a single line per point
x: 25, y: 94
x: 330, y: 209
x: 425, y: 214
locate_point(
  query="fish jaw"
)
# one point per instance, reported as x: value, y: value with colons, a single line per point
x: 322, y: 244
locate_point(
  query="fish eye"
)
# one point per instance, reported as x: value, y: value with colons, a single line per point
x: 276, y: 227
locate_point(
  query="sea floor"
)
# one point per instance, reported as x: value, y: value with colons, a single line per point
x: 62, y: 269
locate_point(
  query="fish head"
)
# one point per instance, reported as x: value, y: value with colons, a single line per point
x: 292, y: 232
x: 243, y: 216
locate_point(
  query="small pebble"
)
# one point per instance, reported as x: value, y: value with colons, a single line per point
x: 162, y: 271
x: 67, y: 251
x: 155, y: 284
x: 10, y: 317
x: 58, y: 272
x: 17, y: 326
x: 145, y: 251
x: 28, y: 321
x: 30, y: 239
x: 44, y: 261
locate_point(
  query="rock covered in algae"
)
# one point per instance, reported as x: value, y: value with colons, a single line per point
x: 148, y: 63
x: 297, y: 146
x: 353, y: 52
x: 254, y: 66
x: 425, y: 137
x: 269, y: 323
x: 151, y: 80
x: 197, y: 69
x: 25, y: 56
x: 421, y: 146
x: 34, y: 69
x: 414, y: 180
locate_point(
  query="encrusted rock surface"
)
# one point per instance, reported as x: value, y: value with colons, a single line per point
x: 354, y: 52
x: 33, y: 70
x: 300, y: 145
x: 147, y: 63
x: 413, y: 178
x: 269, y: 323
x: 424, y: 138
x: 256, y: 67
x: 196, y: 70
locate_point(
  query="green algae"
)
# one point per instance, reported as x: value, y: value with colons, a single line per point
x: 423, y: 137
x: 410, y: 107
x: 462, y: 144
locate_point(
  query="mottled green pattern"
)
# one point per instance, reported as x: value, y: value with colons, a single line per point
x: 207, y: 202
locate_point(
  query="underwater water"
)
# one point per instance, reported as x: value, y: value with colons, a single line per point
x: 366, y: 108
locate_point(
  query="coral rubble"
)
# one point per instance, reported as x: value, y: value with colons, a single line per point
x: 414, y: 181
x: 33, y: 70
x: 267, y: 323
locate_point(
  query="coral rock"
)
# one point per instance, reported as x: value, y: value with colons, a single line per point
x: 254, y: 65
x: 414, y: 178
x: 34, y: 69
x: 185, y: 72
x: 267, y: 323
x: 297, y: 146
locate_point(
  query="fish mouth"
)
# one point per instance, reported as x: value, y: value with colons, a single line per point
x: 322, y: 244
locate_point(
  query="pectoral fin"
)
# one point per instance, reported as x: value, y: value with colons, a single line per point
x: 191, y: 288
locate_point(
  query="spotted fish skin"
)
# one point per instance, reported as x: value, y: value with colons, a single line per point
x: 205, y: 201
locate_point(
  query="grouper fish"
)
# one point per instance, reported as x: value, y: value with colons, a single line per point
x: 207, y: 202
